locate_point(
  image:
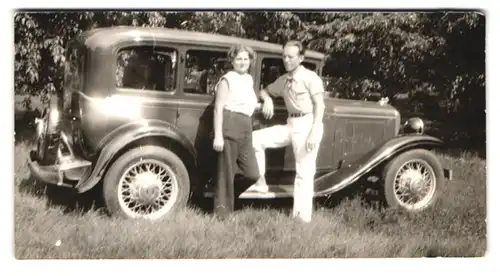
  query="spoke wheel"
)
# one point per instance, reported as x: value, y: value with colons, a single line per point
x: 147, y: 189
x: 414, y: 184
x: 413, y: 180
x: 148, y: 182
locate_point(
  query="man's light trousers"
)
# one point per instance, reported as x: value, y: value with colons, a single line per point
x: 295, y: 132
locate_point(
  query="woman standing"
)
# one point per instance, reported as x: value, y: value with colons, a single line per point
x: 235, y: 104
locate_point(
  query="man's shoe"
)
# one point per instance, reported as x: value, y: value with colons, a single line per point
x: 261, y: 188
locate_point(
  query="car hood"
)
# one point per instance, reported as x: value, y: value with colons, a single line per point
x: 359, y: 108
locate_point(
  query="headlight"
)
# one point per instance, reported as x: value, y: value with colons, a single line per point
x: 414, y: 125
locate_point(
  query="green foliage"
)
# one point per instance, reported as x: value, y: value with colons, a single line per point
x: 435, y: 60
x: 41, y: 38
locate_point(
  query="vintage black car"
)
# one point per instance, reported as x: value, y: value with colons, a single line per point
x: 136, y: 116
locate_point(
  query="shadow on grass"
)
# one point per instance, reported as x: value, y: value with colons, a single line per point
x: 370, y: 198
x: 206, y: 205
x: 370, y: 195
x: 64, y: 198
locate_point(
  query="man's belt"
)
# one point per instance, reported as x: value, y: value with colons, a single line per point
x: 297, y: 114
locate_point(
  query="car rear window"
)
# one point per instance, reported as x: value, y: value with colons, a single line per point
x: 147, y: 68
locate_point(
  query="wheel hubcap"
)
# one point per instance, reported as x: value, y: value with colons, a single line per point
x: 147, y: 189
x: 415, y: 184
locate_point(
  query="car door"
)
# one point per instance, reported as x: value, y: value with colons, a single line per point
x: 202, y: 69
x: 145, y: 74
x: 279, y: 159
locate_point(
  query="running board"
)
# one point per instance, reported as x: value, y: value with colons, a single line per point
x: 275, y: 191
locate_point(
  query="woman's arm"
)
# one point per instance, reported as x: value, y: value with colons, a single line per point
x: 220, y: 100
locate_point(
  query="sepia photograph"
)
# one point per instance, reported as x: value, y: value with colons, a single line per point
x: 249, y: 134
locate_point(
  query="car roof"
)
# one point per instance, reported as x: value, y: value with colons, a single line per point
x: 110, y: 36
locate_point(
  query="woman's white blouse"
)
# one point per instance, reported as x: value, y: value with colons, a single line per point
x: 241, y: 97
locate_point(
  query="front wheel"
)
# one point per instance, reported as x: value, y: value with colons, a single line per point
x: 413, y: 180
x: 148, y: 182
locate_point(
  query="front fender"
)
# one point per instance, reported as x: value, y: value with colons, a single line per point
x: 125, y: 135
x: 350, y: 173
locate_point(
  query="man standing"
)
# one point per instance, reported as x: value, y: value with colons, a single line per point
x: 302, y: 91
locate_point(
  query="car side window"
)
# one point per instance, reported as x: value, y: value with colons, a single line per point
x: 147, y: 68
x: 272, y: 69
x: 203, y: 70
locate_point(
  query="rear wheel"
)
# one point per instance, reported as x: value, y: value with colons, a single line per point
x: 148, y: 182
x: 413, y: 180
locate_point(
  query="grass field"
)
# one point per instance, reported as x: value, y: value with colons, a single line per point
x: 455, y: 227
x: 341, y: 228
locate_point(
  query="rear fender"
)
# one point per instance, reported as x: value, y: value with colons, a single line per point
x: 123, y: 137
x: 350, y: 173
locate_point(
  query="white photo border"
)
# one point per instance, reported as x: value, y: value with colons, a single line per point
x: 450, y: 266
